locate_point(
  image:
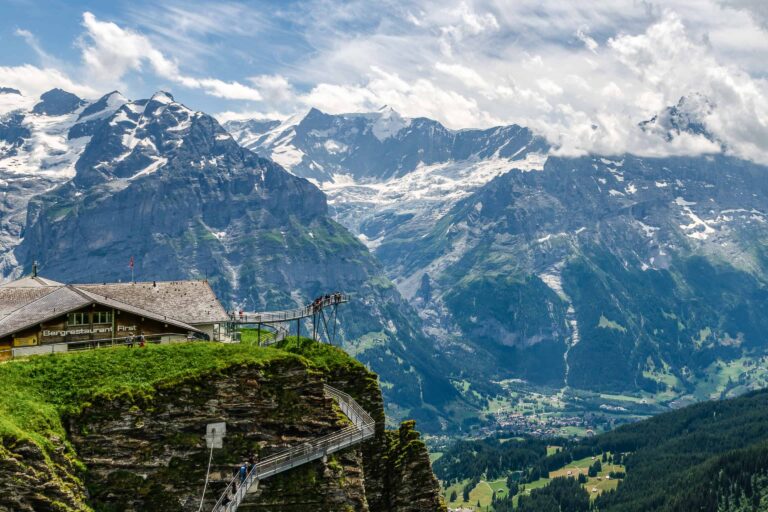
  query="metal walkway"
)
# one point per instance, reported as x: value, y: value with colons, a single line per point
x: 323, y: 311
x: 363, y: 427
x: 289, y: 315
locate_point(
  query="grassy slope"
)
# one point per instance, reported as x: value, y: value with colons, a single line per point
x: 39, y: 390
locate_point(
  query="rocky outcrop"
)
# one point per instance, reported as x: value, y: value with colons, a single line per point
x: 146, y: 450
x: 32, y: 480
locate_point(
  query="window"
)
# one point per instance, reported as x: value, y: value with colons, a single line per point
x: 77, y: 319
x: 102, y: 317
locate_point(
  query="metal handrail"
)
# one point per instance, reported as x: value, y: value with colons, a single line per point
x: 362, y: 428
x: 102, y: 342
x: 279, y: 335
x: 288, y: 315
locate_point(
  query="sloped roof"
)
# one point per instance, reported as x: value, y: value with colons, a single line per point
x: 31, y: 282
x: 61, y: 300
x: 12, y: 298
x: 21, y: 292
x: 192, y: 302
x: 128, y: 308
x: 34, y: 300
x: 66, y: 299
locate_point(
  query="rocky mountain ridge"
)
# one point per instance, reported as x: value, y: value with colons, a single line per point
x: 381, y: 170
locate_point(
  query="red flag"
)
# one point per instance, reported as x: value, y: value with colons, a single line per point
x: 130, y: 263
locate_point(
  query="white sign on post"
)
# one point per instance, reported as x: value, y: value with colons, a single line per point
x: 214, y: 435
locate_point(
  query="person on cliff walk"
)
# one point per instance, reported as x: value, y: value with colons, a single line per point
x: 243, y: 473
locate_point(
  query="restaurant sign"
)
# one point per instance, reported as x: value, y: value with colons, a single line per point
x: 88, y: 330
x: 77, y: 332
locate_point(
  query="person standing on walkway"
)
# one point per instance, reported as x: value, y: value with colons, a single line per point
x: 243, y: 473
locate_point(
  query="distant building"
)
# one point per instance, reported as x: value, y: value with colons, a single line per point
x: 38, y: 315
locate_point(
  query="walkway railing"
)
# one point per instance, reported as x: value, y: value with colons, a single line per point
x: 363, y: 427
x: 288, y: 315
x: 78, y: 345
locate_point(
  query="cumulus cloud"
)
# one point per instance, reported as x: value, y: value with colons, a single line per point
x: 420, y: 97
x: 275, y: 89
x: 465, y: 75
x: 758, y: 9
x: 33, y: 81
x: 109, y: 52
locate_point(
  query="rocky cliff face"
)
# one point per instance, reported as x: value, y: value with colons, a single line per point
x: 146, y: 451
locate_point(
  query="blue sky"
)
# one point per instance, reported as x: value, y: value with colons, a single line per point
x: 583, y: 73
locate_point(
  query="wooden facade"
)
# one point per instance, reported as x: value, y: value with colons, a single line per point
x: 94, y: 322
x: 39, y: 316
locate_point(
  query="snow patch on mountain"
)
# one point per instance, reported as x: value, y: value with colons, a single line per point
x: 389, y: 123
x: 287, y: 155
x: 153, y: 167
x: 48, y: 150
x: 429, y: 190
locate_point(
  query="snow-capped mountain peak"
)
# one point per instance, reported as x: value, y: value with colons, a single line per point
x: 688, y: 116
x: 389, y: 123
x: 163, y: 97
x: 57, y: 102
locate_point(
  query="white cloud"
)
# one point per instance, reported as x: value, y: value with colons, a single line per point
x: 109, y: 52
x: 231, y: 115
x: 33, y: 81
x: 758, y: 9
x: 420, y: 97
x: 549, y: 87
x: 540, y: 64
x: 463, y: 22
x: 584, y: 37
x: 275, y: 89
x: 47, y: 59
x: 465, y: 75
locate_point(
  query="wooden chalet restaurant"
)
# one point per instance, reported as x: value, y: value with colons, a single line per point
x: 39, y: 316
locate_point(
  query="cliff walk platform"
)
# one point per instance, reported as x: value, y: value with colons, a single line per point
x: 362, y: 428
x: 323, y: 313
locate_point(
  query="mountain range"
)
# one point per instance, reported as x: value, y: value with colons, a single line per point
x: 613, y: 274
x: 480, y: 261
